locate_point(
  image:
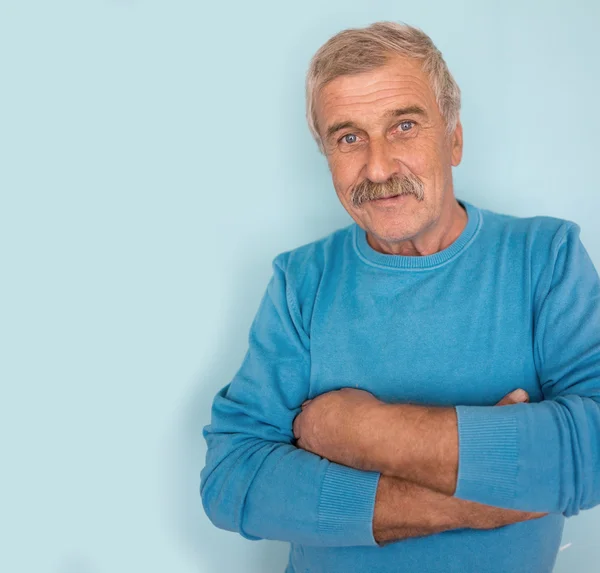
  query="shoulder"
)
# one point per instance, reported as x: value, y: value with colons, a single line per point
x: 302, y: 269
x: 537, y: 245
x: 310, y: 259
x: 539, y: 234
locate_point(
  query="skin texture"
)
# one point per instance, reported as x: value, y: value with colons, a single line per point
x: 380, y: 144
x: 353, y: 428
x: 339, y: 426
x: 403, y: 509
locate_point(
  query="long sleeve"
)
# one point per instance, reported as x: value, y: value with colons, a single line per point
x: 255, y: 481
x: 545, y: 456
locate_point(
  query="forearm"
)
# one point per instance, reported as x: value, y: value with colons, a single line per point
x: 404, y: 510
x: 265, y: 490
x: 534, y: 457
x: 418, y: 444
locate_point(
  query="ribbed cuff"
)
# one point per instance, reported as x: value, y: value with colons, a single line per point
x: 346, y: 504
x: 488, y: 443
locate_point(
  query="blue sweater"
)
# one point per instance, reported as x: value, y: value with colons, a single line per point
x: 512, y: 303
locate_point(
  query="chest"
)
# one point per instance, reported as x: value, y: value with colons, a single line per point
x: 464, y: 337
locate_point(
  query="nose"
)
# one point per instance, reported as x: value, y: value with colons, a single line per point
x: 380, y: 161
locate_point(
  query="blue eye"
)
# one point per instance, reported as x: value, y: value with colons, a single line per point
x: 406, y: 125
x: 349, y: 138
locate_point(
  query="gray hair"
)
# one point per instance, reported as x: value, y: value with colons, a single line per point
x: 359, y: 50
x: 396, y: 185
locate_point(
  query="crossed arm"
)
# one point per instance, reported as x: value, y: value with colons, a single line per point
x: 540, y: 457
x: 414, y: 494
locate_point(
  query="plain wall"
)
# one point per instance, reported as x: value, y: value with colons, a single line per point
x: 154, y: 159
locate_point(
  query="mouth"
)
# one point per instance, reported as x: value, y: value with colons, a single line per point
x: 390, y: 199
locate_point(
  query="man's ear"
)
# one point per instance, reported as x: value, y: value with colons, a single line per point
x: 457, y: 144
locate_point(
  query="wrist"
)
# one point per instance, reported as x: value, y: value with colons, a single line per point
x: 404, y: 509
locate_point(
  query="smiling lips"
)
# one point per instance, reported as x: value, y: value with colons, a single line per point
x: 392, y: 197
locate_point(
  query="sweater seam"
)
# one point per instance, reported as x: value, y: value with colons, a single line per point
x: 566, y: 226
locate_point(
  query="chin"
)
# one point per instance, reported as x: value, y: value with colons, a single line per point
x: 400, y: 228
x: 396, y: 239
x: 395, y: 234
x: 395, y: 223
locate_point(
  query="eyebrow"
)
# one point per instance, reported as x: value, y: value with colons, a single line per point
x: 410, y: 110
x: 338, y: 126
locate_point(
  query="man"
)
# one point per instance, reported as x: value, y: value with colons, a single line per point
x: 363, y: 425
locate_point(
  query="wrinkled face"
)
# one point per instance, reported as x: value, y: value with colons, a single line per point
x: 388, y: 149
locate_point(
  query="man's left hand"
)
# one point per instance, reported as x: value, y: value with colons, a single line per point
x: 341, y: 426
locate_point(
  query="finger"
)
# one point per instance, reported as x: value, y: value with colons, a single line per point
x: 517, y: 396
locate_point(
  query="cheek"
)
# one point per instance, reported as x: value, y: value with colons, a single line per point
x: 422, y: 160
x: 345, y: 172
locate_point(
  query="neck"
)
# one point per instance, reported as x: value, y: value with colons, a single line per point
x: 437, y: 238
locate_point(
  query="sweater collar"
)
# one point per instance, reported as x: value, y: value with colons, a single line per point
x: 373, y: 257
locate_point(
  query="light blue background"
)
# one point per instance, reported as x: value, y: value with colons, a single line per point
x: 153, y: 160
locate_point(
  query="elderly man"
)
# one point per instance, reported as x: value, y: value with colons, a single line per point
x: 367, y: 424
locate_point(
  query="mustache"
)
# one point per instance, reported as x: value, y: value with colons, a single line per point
x: 367, y: 190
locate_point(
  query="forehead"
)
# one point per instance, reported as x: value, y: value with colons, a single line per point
x: 401, y: 82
